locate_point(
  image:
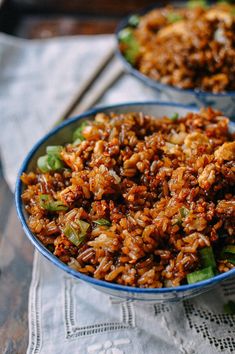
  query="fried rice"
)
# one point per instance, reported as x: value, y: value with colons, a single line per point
x: 191, y: 48
x: 134, y: 199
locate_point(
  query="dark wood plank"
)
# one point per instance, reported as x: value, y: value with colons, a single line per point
x: 16, y: 256
x: 49, y: 18
x: 54, y: 26
x: 85, y: 7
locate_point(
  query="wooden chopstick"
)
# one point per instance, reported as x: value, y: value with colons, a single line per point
x: 110, y: 75
x: 84, y: 87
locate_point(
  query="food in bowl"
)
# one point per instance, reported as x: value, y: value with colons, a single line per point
x: 190, y: 47
x: 139, y: 201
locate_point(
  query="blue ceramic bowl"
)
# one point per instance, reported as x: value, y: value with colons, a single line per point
x: 63, y: 134
x: 225, y: 102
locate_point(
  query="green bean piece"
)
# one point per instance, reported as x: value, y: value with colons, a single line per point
x: 207, y: 257
x: 199, y: 275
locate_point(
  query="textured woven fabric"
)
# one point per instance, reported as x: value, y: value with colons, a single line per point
x: 66, y: 315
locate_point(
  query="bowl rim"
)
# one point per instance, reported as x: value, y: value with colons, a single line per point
x: 47, y: 254
x: 157, y: 85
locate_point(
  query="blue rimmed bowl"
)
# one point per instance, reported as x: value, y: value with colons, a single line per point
x: 225, y: 102
x: 62, y: 134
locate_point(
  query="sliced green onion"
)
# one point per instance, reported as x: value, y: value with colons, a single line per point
x: 77, y: 141
x: 102, y: 222
x: 47, y: 203
x: 134, y: 20
x: 229, y: 308
x: 48, y: 163
x: 75, y: 236
x: 200, y: 275
x: 174, y: 117
x: 84, y: 226
x: 173, y: 17
x: 78, y: 132
x: 42, y: 164
x: 229, y: 249
x: 126, y: 36
x: 183, y: 212
x: 54, y: 162
x: 131, y: 53
x: 192, y: 4
x: 54, y: 150
x: 207, y: 257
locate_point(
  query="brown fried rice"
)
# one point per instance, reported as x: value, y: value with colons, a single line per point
x: 144, y: 195
x: 186, y: 47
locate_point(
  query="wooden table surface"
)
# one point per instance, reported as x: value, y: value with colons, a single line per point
x: 16, y: 256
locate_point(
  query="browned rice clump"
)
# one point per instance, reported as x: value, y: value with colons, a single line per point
x: 165, y: 185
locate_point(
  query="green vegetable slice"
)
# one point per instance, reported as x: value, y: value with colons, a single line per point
x: 200, y: 275
x: 207, y: 257
x: 229, y: 249
x: 54, y: 163
x: 184, y: 212
x: 132, y: 53
x: 174, y: 117
x: 134, y: 20
x: 73, y: 235
x: 192, y: 4
x: 54, y: 150
x: 78, y: 132
x: 77, y: 141
x: 102, y: 222
x: 42, y: 164
x: 47, y: 203
x: 127, y: 37
x: 76, y: 236
x: 229, y: 308
x: 228, y: 253
x: 84, y: 226
x: 173, y: 17
x: 49, y: 163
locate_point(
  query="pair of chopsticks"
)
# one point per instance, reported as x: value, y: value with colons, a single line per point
x: 88, y: 94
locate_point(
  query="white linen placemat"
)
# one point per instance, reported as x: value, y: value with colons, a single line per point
x: 66, y: 315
